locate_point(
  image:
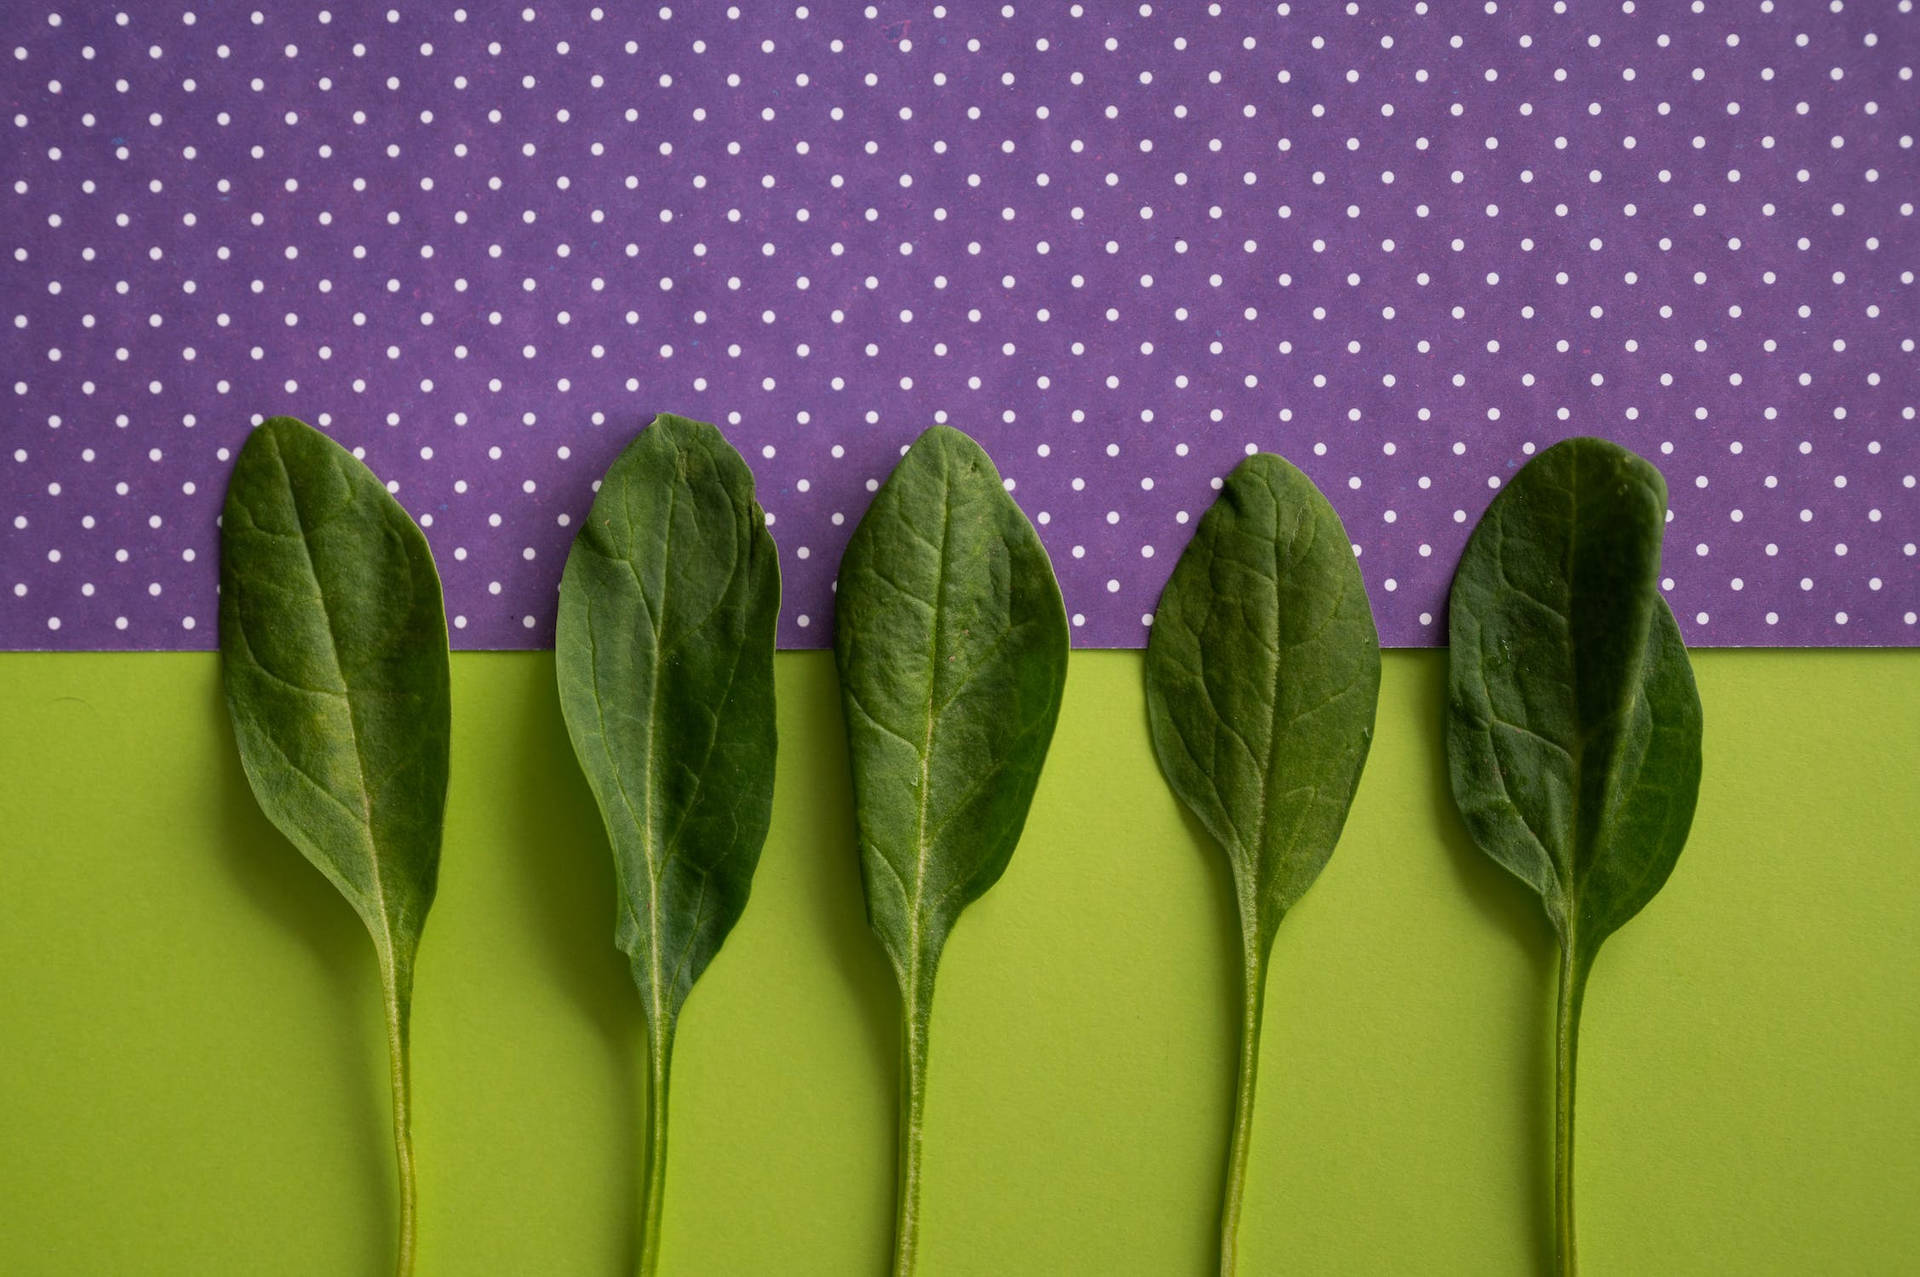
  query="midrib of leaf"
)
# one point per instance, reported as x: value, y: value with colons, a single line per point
x: 926, y: 745
x: 383, y: 937
x: 915, y: 1016
x: 396, y: 1001
x: 1274, y: 731
x: 653, y: 755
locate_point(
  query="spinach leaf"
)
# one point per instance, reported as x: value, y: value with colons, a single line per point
x: 1263, y: 670
x: 664, y: 654
x: 951, y: 642
x: 333, y: 645
x: 1573, y: 726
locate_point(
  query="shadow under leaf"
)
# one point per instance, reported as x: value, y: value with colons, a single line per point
x: 567, y: 887
x: 836, y: 896
x: 279, y: 880
x: 1505, y: 903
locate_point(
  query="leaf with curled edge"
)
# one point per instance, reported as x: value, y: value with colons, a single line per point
x: 1573, y: 724
x: 951, y: 641
x: 1263, y: 672
x: 333, y: 644
x: 664, y: 656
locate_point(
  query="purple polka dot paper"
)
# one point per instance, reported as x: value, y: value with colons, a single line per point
x: 1404, y: 245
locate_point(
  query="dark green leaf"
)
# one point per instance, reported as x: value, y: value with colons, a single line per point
x: 1573, y: 726
x: 951, y: 642
x: 1573, y: 729
x: 1263, y: 670
x: 664, y: 653
x: 333, y: 647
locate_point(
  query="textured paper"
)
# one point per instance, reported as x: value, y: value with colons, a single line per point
x: 1400, y: 244
x: 196, y: 1070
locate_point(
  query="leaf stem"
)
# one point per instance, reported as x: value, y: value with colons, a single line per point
x: 398, y: 990
x: 1252, y: 999
x: 916, y: 1015
x: 653, y: 1181
x: 1573, y: 984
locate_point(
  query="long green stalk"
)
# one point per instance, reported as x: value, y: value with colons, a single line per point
x: 1573, y: 984
x: 1252, y: 999
x: 398, y: 991
x: 916, y: 1015
x: 653, y: 1184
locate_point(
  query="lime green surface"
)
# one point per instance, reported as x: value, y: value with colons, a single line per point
x: 192, y: 1076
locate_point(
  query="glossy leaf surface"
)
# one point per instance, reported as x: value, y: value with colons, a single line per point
x: 951, y: 643
x: 333, y: 643
x: 1263, y: 671
x: 1573, y: 726
x: 664, y: 654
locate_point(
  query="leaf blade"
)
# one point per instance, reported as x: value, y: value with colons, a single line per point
x: 334, y: 661
x: 664, y: 660
x: 934, y: 619
x: 1262, y: 651
x: 1550, y: 725
x: 1648, y: 828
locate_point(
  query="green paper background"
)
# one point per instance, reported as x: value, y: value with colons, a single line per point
x: 192, y: 1077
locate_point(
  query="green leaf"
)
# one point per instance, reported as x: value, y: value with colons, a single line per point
x: 1263, y: 670
x: 1573, y: 726
x: 333, y: 645
x: 951, y: 641
x: 664, y: 654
